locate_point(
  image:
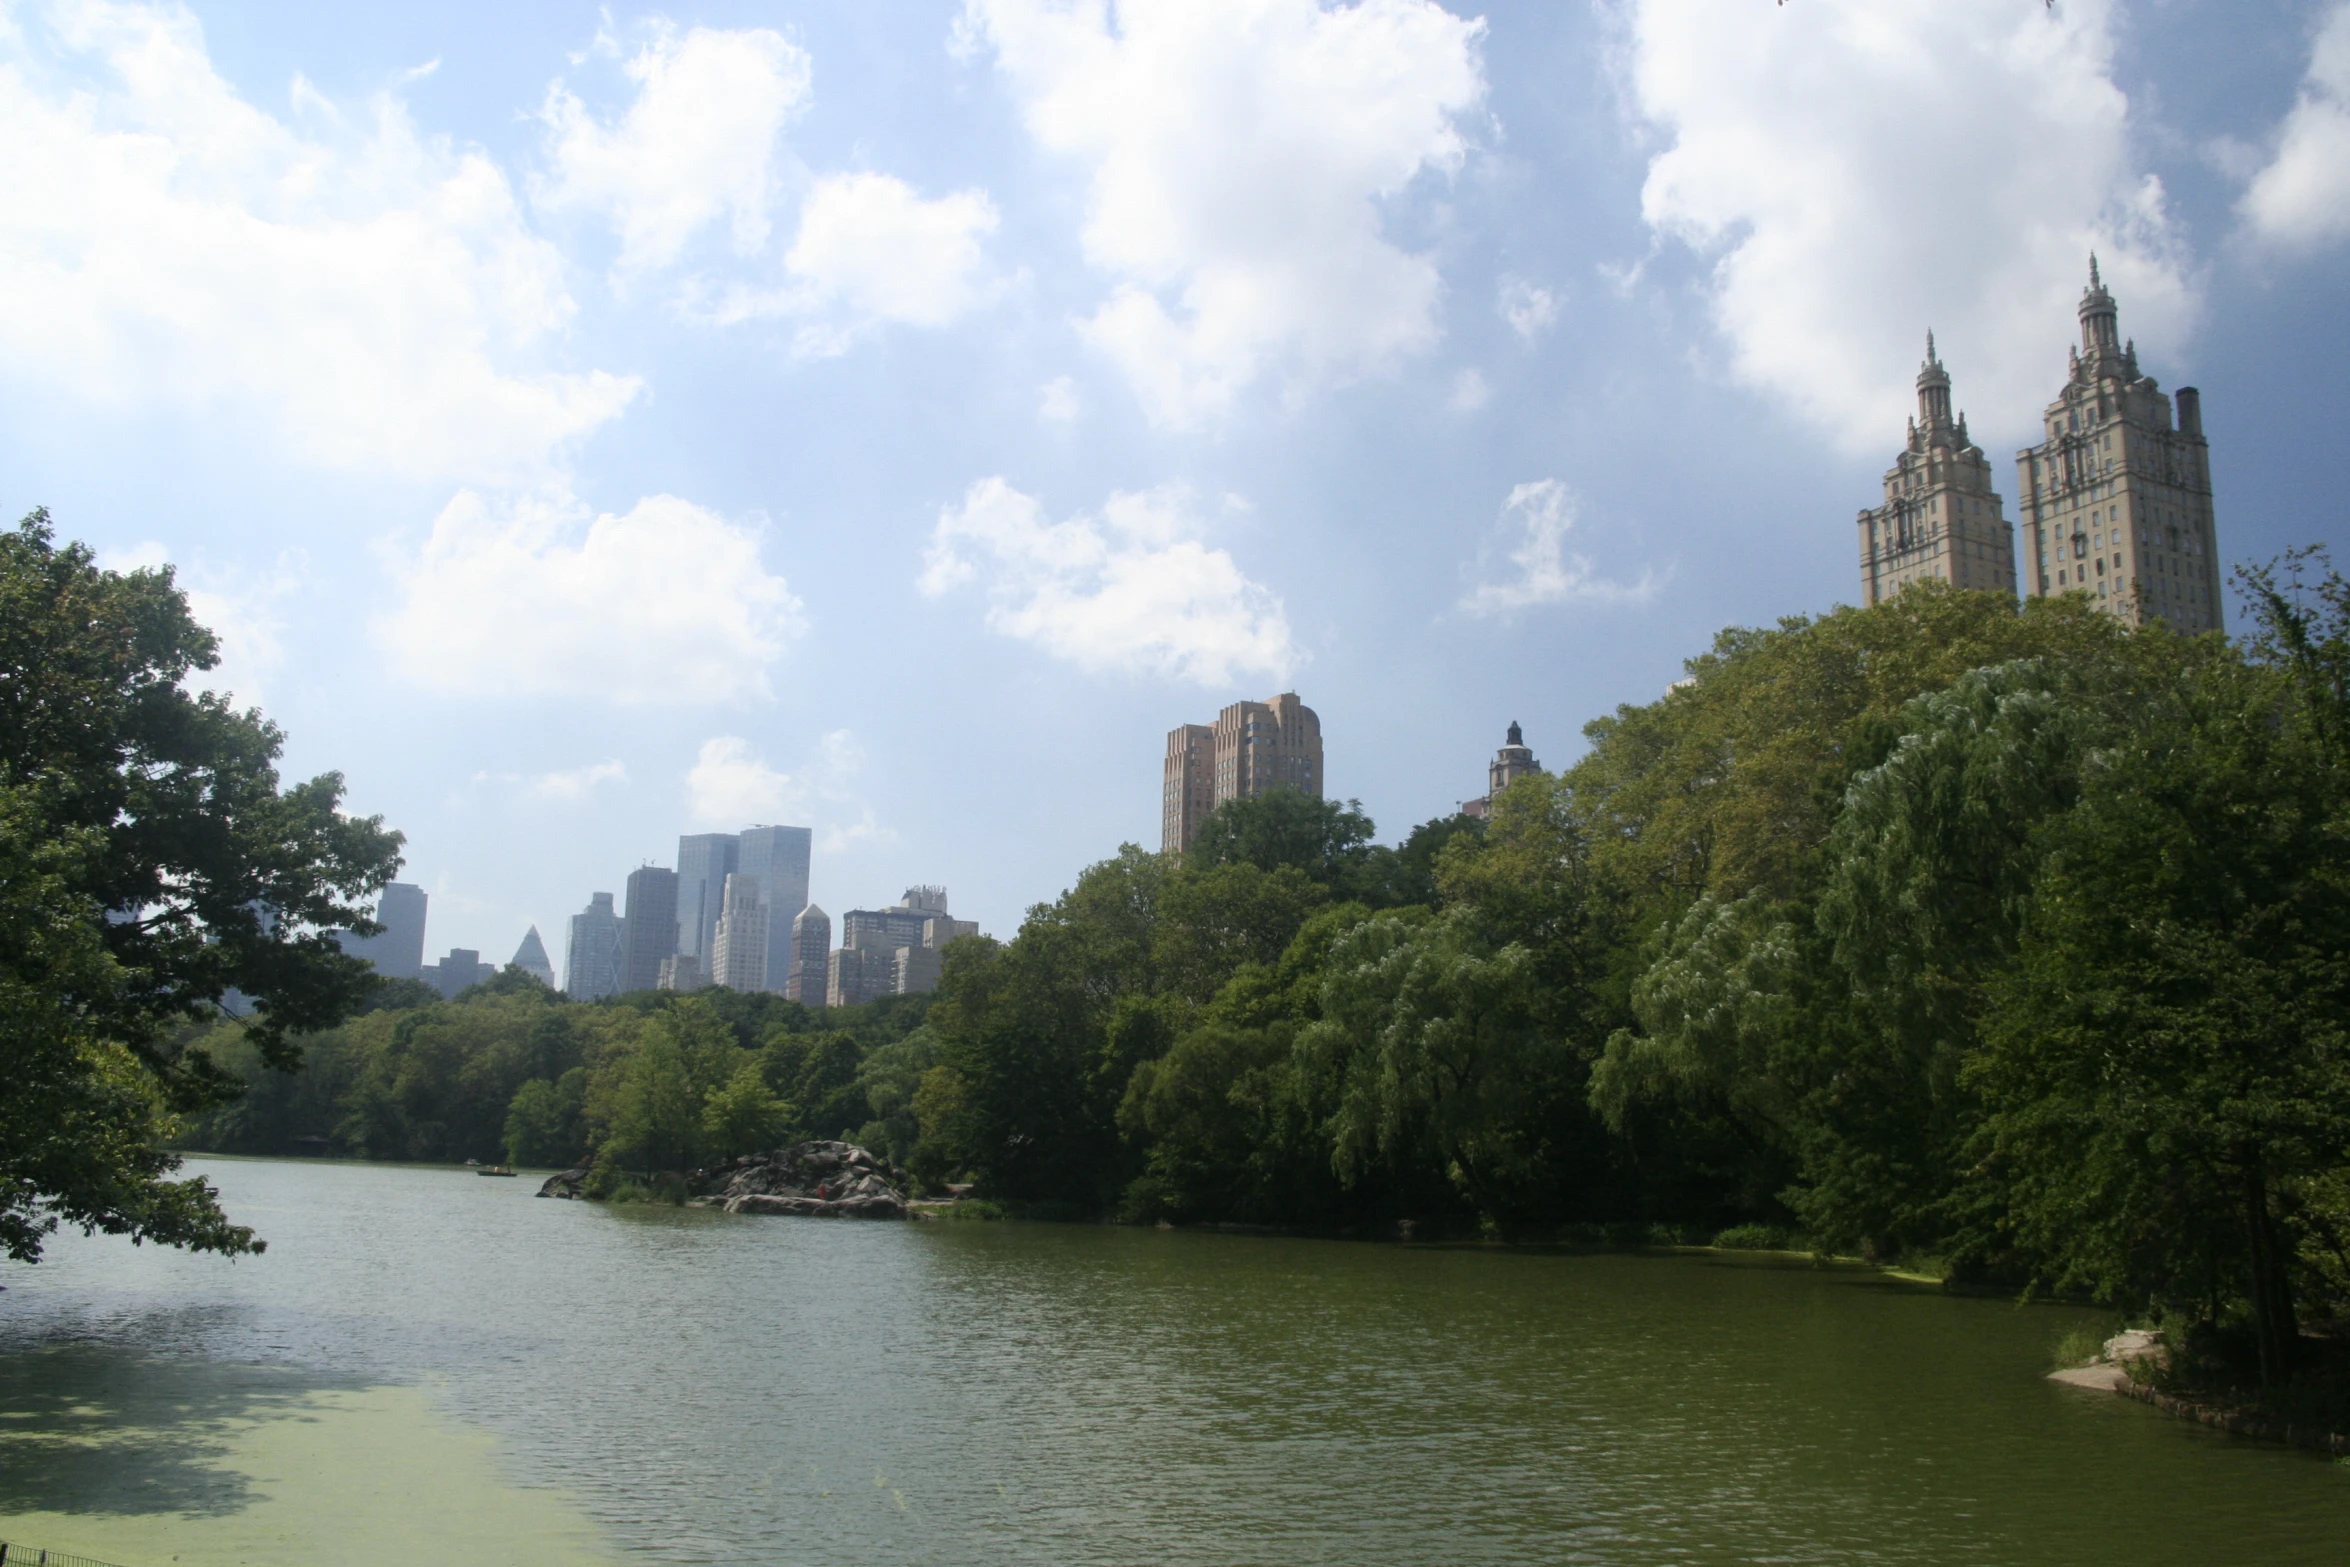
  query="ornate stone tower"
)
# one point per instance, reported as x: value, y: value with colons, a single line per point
x: 1513, y: 761
x: 2116, y: 502
x: 1941, y: 518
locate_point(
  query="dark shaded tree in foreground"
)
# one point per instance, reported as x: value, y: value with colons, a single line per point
x: 152, y: 870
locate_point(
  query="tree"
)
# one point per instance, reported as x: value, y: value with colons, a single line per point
x: 1329, y: 841
x: 1732, y: 780
x: 154, y: 866
x: 1214, y: 920
x: 2167, y: 1064
x: 646, y: 1104
x: 543, y: 1121
x: 743, y: 1116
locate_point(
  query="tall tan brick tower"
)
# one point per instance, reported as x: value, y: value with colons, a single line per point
x: 1941, y: 518
x: 2116, y: 503
x: 1190, y: 791
x: 1251, y: 747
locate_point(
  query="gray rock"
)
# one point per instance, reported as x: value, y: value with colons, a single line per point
x: 829, y: 1180
x: 568, y: 1184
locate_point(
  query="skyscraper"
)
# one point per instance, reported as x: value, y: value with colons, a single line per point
x: 811, y: 950
x: 778, y: 857
x: 1189, y: 792
x: 738, y: 955
x: 876, y: 956
x: 2117, y: 501
x: 531, y: 958
x: 398, y: 951
x: 649, y: 926
x: 704, y: 861
x: 1941, y: 519
x: 591, y: 958
x: 1252, y: 747
x: 462, y: 968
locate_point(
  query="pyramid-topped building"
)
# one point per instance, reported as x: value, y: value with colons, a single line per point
x: 531, y: 958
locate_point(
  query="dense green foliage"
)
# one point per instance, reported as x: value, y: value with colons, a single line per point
x: 152, y: 872
x: 646, y: 1085
x: 1951, y: 928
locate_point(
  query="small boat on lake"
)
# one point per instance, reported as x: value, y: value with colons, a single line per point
x: 493, y: 1169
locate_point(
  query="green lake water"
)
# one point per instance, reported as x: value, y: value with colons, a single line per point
x: 432, y: 1367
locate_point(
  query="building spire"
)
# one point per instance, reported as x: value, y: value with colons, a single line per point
x: 2099, y: 332
x: 1933, y: 389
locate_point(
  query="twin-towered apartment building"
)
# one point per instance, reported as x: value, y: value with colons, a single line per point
x: 2115, y: 503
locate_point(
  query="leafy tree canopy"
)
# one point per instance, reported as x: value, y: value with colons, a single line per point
x: 156, y: 872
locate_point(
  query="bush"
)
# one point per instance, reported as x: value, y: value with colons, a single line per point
x: 1760, y: 1237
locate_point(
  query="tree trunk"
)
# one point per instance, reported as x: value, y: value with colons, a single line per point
x: 2274, y: 1325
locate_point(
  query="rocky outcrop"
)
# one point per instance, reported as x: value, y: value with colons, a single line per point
x: 826, y: 1180
x: 571, y: 1183
x: 2111, y: 1370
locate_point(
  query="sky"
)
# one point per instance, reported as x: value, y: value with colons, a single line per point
x: 589, y: 425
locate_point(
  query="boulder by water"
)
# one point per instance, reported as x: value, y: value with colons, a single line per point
x: 571, y: 1183
x: 829, y: 1180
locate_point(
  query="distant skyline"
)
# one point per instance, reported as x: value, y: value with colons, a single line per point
x: 589, y: 425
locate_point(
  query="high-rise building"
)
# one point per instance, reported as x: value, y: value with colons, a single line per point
x: 1511, y: 763
x: 680, y: 971
x: 704, y: 861
x: 738, y: 956
x: 1189, y: 792
x: 591, y: 958
x: 463, y: 967
x: 778, y: 857
x: 1252, y: 747
x: 879, y: 940
x: 919, y: 919
x: 398, y: 950
x: 531, y: 958
x: 856, y: 975
x: 811, y: 954
x: 917, y: 971
x: 1941, y: 519
x: 2116, y: 502
x: 648, y: 926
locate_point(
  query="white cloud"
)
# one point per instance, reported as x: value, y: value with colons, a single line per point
x: 1057, y: 401
x: 2302, y: 198
x: 1863, y: 169
x: 1132, y: 590
x: 871, y: 251
x: 370, y: 294
x: 840, y: 837
x: 242, y: 609
x: 576, y: 783
x: 1530, y: 310
x: 1239, y: 152
x: 696, y: 144
x: 1469, y: 392
x: 1535, y: 521
x: 667, y: 603
x: 731, y: 784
